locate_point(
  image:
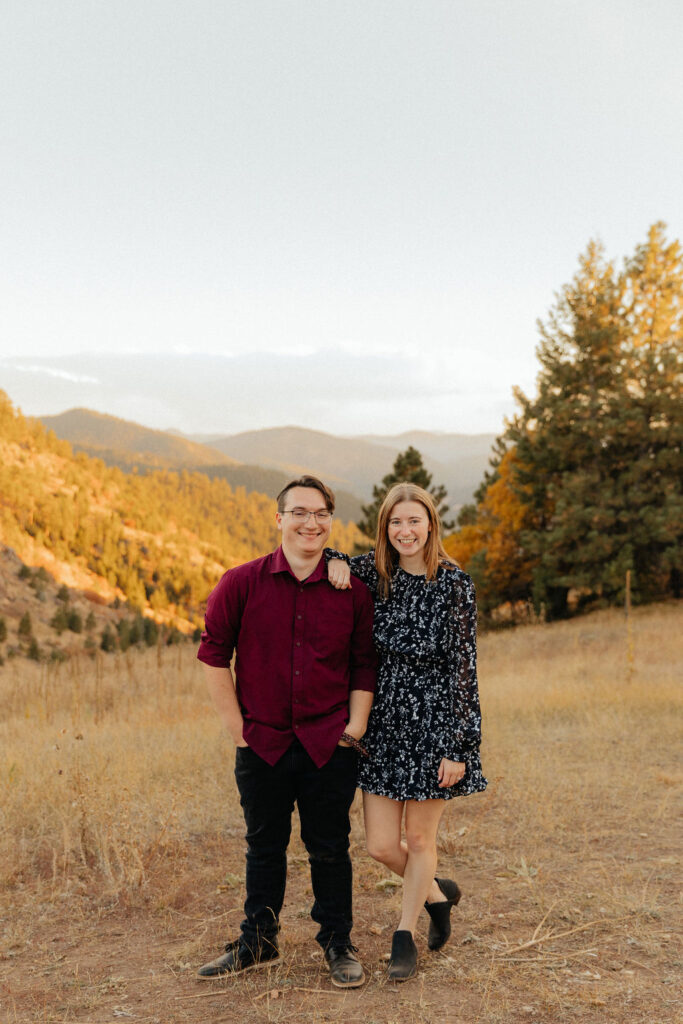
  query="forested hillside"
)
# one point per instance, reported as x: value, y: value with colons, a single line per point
x: 110, y: 437
x: 134, y: 448
x: 157, y: 541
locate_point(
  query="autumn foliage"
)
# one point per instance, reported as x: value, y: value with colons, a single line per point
x: 158, y: 541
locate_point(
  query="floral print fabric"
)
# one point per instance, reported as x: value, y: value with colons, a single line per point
x: 427, y: 701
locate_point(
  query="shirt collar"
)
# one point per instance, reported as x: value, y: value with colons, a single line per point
x: 279, y: 563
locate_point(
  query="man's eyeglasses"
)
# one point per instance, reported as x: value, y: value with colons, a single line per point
x: 302, y: 515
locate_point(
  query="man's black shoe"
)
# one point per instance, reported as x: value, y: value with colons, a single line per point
x: 346, y: 970
x: 440, y: 913
x: 403, y: 959
x: 240, y: 957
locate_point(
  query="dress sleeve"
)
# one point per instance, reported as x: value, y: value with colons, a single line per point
x: 465, y: 732
x: 362, y: 566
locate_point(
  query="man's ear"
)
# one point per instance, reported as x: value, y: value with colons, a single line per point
x: 278, y: 520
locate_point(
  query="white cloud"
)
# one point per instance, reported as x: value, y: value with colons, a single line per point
x: 50, y: 371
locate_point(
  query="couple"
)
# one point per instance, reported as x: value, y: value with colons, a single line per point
x: 300, y: 703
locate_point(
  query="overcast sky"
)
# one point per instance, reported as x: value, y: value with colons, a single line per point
x: 404, y: 184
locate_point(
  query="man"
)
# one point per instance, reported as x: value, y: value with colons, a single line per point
x: 298, y: 702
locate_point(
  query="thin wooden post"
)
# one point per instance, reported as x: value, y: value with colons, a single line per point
x: 629, y: 629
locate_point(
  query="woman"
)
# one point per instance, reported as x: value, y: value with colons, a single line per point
x: 425, y: 726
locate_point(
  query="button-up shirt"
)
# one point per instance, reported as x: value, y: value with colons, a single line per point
x: 301, y: 647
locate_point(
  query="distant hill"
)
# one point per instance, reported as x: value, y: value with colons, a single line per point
x: 464, y: 458
x: 357, y: 463
x: 111, y: 438
x: 264, y: 460
x: 130, y: 446
x: 340, y: 461
x: 157, y: 541
x: 442, y: 446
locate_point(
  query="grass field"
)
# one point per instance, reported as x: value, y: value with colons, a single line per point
x: 121, y: 849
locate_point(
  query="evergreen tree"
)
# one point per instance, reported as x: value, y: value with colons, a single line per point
x: 150, y: 632
x: 124, y: 631
x: 595, y: 456
x: 74, y: 621
x: 3, y: 630
x: 25, y: 628
x: 137, y: 630
x: 408, y: 468
x: 600, y: 445
x: 60, y: 620
x: 107, y: 640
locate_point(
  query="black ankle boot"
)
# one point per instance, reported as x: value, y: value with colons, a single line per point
x: 403, y: 959
x: 440, y: 913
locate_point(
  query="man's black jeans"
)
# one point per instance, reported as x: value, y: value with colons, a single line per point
x: 323, y: 796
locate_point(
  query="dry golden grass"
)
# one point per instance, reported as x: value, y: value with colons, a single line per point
x: 121, y: 851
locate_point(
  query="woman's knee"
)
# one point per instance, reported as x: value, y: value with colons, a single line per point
x: 383, y: 850
x: 419, y: 840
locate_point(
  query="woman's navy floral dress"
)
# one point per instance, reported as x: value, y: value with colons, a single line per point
x: 427, y: 702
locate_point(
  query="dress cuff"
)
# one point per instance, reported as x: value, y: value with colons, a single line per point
x: 330, y: 553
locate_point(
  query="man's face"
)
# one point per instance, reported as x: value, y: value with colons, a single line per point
x: 300, y: 537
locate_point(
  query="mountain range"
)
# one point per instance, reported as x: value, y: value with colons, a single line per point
x: 263, y: 460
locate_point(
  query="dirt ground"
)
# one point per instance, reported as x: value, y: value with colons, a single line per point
x: 82, y: 957
x: 122, y: 859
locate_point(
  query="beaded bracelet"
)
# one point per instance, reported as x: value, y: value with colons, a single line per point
x: 356, y: 744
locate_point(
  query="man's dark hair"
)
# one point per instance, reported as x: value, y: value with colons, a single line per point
x: 306, y: 481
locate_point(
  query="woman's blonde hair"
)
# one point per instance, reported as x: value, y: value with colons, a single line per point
x: 386, y: 557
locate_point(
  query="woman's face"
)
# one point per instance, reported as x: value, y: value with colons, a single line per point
x: 408, y: 527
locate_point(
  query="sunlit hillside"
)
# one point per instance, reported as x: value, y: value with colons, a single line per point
x: 157, y: 542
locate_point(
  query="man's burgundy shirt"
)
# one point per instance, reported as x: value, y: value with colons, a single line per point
x: 302, y: 646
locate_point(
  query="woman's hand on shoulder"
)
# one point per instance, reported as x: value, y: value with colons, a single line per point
x: 339, y: 574
x: 450, y: 772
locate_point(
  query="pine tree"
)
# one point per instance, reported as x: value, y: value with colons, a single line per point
x: 599, y: 447
x: 25, y: 629
x: 124, y: 631
x: 586, y: 480
x: 107, y: 640
x: 408, y: 468
x: 150, y: 632
x: 74, y: 621
x: 60, y: 620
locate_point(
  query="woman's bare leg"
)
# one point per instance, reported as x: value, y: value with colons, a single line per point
x: 383, y: 831
x: 421, y: 825
x: 414, y: 859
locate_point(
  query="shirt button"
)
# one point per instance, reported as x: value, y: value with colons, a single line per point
x: 298, y: 616
x: 297, y: 673
x: 298, y: 643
